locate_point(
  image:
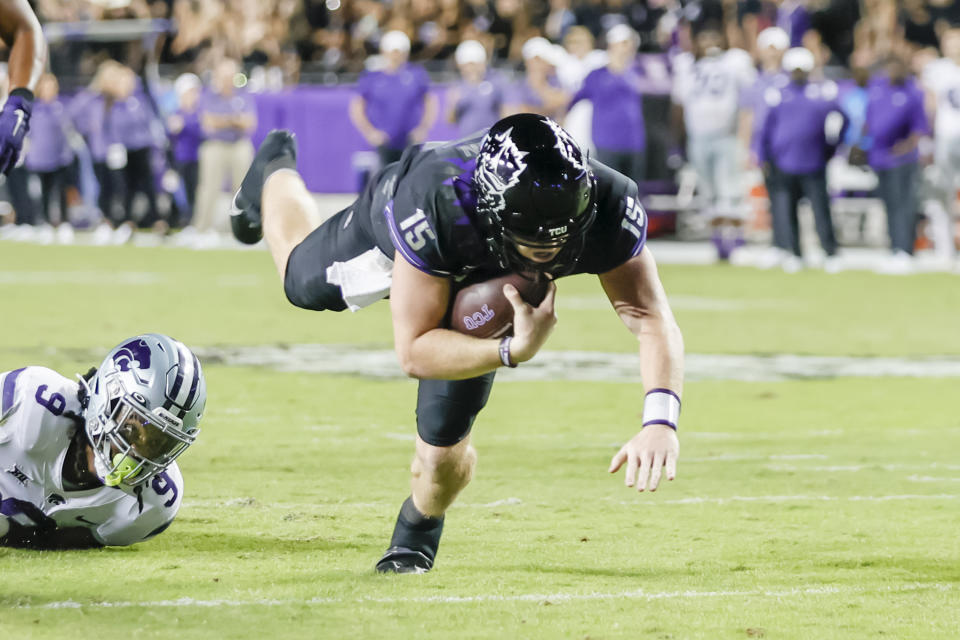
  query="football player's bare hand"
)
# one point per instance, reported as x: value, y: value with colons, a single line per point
x: 647, y: 455
x: 531, y: 325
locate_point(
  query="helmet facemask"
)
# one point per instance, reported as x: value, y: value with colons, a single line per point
x: 131, y: 442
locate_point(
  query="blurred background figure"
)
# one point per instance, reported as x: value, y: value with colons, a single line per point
x: 800, y: 134
x: 772, y: 42
x: 853, y: 100
x: 89, y: 113
x: 228, y: 117
x: 581, y: 58
x: 187, y: 134
x: 707, y: 94
x: 49, y: 157
x: 474, y: 102
x: 794, y: 18
x: 896, y: 121
x: 538, y: 90
x: 941, y: 78
x: 618, y: 129
x: 394, y: 107
x: 131, y: 139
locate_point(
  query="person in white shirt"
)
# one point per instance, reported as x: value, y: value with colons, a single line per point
x: 92, y: 463
x: 941, y: 80
x: 707, y: 91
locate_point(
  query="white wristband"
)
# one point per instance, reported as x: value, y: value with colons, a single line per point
x: 661, y: 406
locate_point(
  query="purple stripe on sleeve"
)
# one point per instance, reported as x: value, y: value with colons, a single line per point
x: 9, y: 386
x: 666, y: 422
x: 401, y: 246
x: 667, y: 391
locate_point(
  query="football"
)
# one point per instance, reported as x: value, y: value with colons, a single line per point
x: 481, y: 310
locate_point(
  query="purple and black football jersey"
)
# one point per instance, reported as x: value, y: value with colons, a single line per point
x: 423, y: 208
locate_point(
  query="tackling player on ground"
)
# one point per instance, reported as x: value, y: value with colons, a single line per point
x: 92, y: 464
x: 20, y: 30
x: 520, y: 198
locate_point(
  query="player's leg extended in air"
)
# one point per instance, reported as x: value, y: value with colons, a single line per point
x: 273, y: 201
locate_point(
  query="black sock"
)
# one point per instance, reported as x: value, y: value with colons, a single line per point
x: 417, y: 531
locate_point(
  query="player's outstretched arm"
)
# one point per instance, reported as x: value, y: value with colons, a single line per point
x: 21, y: 31
x: 418, y: 303
x: 638, y: 297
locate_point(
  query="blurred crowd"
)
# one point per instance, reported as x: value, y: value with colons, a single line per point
x: 811, y: 104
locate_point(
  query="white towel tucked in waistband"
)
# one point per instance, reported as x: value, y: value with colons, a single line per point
x: 363, y: 280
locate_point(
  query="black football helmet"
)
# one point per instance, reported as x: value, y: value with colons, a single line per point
x: 533, y: 188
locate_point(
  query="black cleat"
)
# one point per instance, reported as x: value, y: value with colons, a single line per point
x: 404, y: 560
x: 278, y: 150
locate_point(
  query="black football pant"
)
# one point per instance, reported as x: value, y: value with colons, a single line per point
x: 788, y: 188
x: 54, y: 183
x: 897, y: 187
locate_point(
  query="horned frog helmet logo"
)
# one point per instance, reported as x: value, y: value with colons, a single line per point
x: 567, y: 146
x: 499, y: 170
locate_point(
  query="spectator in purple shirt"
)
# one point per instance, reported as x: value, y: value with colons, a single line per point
x: 771, y: 45
x: 539, y: 91
x: 394, y: 107
x: 88, y: 111
x: 474, y: 103
x: 187, y: 133
x: 896, y: 121
x: 131, y: 139
x: 802, y: 129
x: 617, y: 127
x: 794, y: 18
x: 228, y: 117
x: 48, y: 151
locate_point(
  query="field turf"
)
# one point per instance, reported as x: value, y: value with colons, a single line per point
x: 814, y: 508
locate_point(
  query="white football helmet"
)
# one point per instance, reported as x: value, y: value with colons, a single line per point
x: 143, y: 408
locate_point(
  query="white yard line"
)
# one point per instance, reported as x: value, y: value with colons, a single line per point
x: 543, y: 598
x: 596, y: 366
x: 81, y: 277
x: 586, y: 365
x: 654, y: 500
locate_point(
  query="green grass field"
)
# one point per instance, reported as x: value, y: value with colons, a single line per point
x: 818, y: 508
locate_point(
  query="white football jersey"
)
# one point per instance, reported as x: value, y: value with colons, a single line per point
x: 34, y: 437
x: 710, y: 89
x: 942, y: 78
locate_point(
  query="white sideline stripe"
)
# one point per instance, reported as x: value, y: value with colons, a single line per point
x: 596, y: 366
x: 856, y: 468
x: 553, y: 598
x: 650, y: 502
x: 733, y: 457
x: 81, y: 277
x: 585, y: 365
x: 720, y: 501
x: 680, y: 302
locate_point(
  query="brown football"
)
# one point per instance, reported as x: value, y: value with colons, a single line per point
x: 481, y: 310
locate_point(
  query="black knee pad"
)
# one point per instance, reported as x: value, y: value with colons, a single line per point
x: 446, y: 409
